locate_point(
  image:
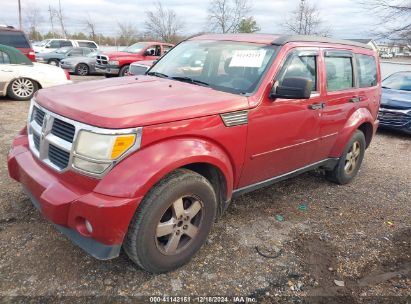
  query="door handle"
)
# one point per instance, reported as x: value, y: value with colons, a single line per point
x: 355, y: 99
x: 316, y: 106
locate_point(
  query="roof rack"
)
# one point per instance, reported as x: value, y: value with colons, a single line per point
x: 303, y: 38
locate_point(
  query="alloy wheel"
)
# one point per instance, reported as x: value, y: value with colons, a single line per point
x: 352, y: 158
x: 179, y: 225
x: 23, y: 87
x: 82, y: 70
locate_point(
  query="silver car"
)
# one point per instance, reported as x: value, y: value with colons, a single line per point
x: 84, y: 65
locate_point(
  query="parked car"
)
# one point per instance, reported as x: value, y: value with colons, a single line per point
x: 50, y: 45
x: 395, y: 109
x: 387, y: 56
x: 140, y: 67
x: 17, y: 39
x: 84, y: 65
x: 171, y: 149
x: 54, y: 57
x: 117, y: 63
x: 20, y: 78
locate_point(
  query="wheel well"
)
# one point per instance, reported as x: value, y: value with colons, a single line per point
x: 217, y: 180
x: 366, y: 128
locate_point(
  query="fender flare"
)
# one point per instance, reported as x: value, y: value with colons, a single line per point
x: 359, y: 117
x: 137, y: 174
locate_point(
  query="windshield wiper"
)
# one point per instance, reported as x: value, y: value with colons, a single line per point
x: 157, y: 74
x: 191, y: 80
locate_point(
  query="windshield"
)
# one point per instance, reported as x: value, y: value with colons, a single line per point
x: 44, y: 42
x: 92, y: 54
x: 228, y: 66
x: 398, y: 81
x: 136, y: 47
x: 63, y: 50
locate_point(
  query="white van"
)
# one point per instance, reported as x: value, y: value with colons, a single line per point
x: 50, y: 45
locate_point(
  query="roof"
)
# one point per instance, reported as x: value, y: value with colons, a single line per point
x: 16, y: 57
x: 278, y: 39
x: 365, y: 41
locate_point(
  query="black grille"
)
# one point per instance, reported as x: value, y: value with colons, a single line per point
x: 394, y: 119
x: 138, y: 69
x: 63, y: 130
x: 36, y: 140
x: 38, y: 115
x: 102, y: 60
x: 58, y: 157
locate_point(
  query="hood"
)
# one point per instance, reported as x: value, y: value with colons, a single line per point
x: 396, y: 99
x: 127, y: 102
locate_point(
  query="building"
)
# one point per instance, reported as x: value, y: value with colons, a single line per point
x: 369, y: 42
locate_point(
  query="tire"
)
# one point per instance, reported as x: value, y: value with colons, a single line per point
x: 123, y: 70
x: 54, y: 62
x: 22, y: 89
x: 350, y: 162
x: 163, y: 249
x: 82, y: 69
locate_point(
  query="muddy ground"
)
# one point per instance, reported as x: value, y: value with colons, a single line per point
x: 358, y: 235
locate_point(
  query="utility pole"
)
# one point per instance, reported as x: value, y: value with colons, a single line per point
x: 20, y: 23
x: 51, y: 20
x: 300, y: 26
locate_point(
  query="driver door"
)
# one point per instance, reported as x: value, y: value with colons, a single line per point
x: 283, y: 133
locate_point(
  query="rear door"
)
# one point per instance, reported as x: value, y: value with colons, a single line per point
x: 341, y: 97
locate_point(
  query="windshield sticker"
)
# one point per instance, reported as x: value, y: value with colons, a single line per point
x: 248, y: 58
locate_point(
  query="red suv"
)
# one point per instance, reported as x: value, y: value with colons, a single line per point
x: 118, y: 63
x: 17, y: 39
x: 149, y: 163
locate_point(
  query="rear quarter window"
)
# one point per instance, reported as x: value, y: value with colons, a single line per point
x: 14, y: 39
x: 87, y: 44
x: 366, y: 70
x: 4, y: 58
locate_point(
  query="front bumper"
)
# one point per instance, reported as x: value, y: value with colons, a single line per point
x: 69, y: 68
x: 67, y: 200
x: 395, y: 119
x: 107, y: 69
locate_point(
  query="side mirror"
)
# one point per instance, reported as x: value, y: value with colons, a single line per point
x: 47, y: 46
x: 292, y: 88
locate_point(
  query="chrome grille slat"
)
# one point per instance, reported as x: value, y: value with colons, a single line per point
x: 235, y: 118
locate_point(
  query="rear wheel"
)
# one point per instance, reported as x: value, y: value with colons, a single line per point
x: 54, y: 62
x: 351, y: 160
x: 172, y: 222
x: 22, y: 89
x: 82, y: 69
x: 124, y: 70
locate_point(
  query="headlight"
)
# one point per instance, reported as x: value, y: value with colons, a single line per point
x: 96, y: 152
x: 113, y: 62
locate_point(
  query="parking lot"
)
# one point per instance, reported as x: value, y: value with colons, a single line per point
x: 299, y: 237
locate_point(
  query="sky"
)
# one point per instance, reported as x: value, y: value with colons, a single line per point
x: 344, y: 18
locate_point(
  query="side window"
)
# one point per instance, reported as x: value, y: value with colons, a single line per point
x: 55, y: 44
x: 367, y: 71
x: 87, y: 51
x: 339, y: 73
x: 154, y: 50
x: 4, y: 58
x: 65, y: 43
x: 166, y: 49
x: 300, y: 66
x: 76, y: 52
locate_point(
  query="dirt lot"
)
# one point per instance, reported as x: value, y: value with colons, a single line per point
x: 359, y: 234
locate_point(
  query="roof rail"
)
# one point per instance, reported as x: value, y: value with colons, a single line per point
x: 305, y: 38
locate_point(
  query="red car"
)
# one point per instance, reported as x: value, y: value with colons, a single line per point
x: 118, y: 63
x: 17, y: 39
x: 148, y: 163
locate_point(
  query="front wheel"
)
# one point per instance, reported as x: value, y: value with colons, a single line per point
x: 82, y: 69
x: 350, y: 162
x: 54, y: 62
x: 124, y: 70
x: 172, y: 222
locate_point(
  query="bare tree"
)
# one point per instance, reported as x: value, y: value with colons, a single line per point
x: 91, y: 27
x: 163, y: 23
x: 225, y: 16
x: 58, y: 13
x: 33, y: 18
x: 394, y: 18
x: 305, y: 20
x: 127, y: 32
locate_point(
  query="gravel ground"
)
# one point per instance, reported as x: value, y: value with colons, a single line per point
x: 358, y: 235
